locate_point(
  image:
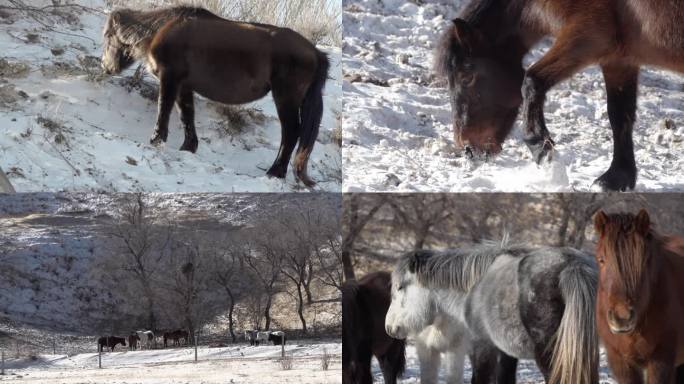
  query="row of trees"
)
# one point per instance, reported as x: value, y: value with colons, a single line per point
x: 167, y: 272
x: 377, y: 227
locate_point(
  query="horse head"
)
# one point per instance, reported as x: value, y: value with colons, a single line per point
x: 624, y: 263
x: 116, y: 53
x: 484, y: 86
x: 411, y: 309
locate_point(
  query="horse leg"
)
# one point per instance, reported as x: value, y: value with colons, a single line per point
x: 186, y: 108
x: 622, y: 370
x: 621, y: 85
x: 429, y: 359
x: 455, y: 360
x: 483, y: 358
x: 505, y: 371
x: 574, y: 48
x: 288, y: 113
x: 168, y: 90
x: 393, y: 362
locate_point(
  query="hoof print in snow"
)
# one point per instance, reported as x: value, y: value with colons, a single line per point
x: 131, y: 161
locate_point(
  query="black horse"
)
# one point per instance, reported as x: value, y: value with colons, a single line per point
x: 109, y: 342
x: 277, y: 338
x: 192, y: 50
x: 364, y: 306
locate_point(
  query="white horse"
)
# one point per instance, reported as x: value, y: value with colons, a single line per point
x: 444, y: 336
x: 262, y: 337
x: 146, y: 338
x: 516, y: 303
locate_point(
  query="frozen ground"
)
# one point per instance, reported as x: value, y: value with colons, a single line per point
x: 243, y: 364
x: 397, y: 119
x: 64, y: 127
x: 527, y: 371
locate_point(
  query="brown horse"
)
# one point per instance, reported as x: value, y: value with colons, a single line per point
x: 364, y: 306
x: 176, y: 337
x: 640, y: 305
x: 133, y: 342
x: 192, y: 50
x: 481, y: 54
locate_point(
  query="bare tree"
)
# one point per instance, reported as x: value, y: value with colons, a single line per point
x: 355, y: 221
x: 265, y: 262
x: 144, y: 240
x: 420, y: 213
x: 227, y: 267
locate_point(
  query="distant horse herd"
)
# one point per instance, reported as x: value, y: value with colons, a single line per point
x: 147, y: 339
x: 497, y: 303
x: 256, y: 337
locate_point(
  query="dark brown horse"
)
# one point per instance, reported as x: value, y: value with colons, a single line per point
x: 192, y: 50
x: 176, y: 337
x: 640, y: 305
x: 481, y: 54
x: 133, y: 340
x: 364, y: 306
x: 109, y: 342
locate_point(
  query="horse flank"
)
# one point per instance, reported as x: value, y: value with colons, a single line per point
x: 458, y: 269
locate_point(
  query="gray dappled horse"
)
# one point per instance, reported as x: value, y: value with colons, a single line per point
x: 516, y: 303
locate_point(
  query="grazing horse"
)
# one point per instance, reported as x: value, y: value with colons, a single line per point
x: 133, y: 340
x: 364, y: 305
x: 251, y: 336
x: 277, y: 337
x: 640, y: 305
x: 481, y: 55
x: 516, y: 302
x: 192, y: 50
x: 146, y: 338
x: 109, y: 342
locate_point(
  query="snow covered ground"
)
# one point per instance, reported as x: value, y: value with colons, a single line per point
x: 240, y: 364
x: 64, y: 127
x: 397, y: 119
x: 527, y: 371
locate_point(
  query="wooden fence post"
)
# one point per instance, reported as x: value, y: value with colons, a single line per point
x: 2, y: 366
x: 282, y: 346
x: 196, y: 342
x: 99, y: 357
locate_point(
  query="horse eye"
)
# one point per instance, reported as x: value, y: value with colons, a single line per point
x: 399, y: 288
x: 601, y: 261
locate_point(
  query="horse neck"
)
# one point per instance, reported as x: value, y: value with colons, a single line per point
x: 507, y: 25
x: 450, y: 303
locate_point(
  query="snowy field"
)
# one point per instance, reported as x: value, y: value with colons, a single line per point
x: 397, y: 119
x: 244, y: 364
x: 527, y: 371
x: 65, y: 127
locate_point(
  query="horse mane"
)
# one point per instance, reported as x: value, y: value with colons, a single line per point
x: 134, y: 26
x: 630, y: 252
x: 477, y: 10
x: 459, y: 269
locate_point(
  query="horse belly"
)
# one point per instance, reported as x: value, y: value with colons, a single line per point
x: 236, y: 79
x: 493, y: 311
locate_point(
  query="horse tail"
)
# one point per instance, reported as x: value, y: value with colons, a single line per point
x: 311, y: 114
x: 576, y: 352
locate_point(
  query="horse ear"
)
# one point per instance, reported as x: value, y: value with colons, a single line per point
x: 600, y: 220
x: 642, y: 223
x: 465, y: 35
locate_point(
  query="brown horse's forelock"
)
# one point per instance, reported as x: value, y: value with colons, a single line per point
x: 628, y: 249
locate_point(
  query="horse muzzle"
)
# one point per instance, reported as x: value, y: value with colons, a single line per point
x: 618, y: 324
x: 396, y: 332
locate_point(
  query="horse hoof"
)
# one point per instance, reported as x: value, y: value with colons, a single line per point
x: 157, y: 140
x: 616, y: 181
x: 277, y: 172
x: 190, y: 147
x: 541, y: 149
x: 304, y: 178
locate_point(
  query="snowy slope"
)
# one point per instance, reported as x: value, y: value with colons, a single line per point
x: 397, y: 119
x: 240, y: 364
x: 527, y: 371
x: 64, y: 127
x: 49, y: 244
